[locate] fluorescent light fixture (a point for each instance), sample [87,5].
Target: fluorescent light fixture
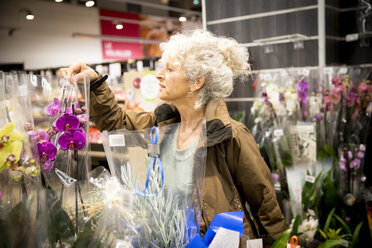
[58,1]
[89,3]
[119,26]
[182,19]
[30,17]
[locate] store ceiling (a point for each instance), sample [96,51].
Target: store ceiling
[169,8]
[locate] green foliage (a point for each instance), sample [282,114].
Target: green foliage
[310,196]
[332,243]
[283,239]
[239,116]
[327,151]
[356,235]
[330,196]
[161,222]
[295,225]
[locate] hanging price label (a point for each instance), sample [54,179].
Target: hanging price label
[278,133]
[310,179]
[343,70]
[116,140]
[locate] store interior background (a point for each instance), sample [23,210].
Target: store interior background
[278,34]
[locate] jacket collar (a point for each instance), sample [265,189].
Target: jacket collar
[217,118]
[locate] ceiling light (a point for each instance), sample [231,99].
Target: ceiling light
[29,15]
[89,3]
[182,19]
[58,1]
[119,26]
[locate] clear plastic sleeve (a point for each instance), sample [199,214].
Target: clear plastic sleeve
[166,183]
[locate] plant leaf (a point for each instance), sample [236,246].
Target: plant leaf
[356,235]
[328,221]
[295,225]
[342,222]
[332,243]
[282,240]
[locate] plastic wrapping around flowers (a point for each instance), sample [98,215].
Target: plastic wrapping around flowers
[18,170]
[58,134]
[165,183]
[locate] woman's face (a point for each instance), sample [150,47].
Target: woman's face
[173,83]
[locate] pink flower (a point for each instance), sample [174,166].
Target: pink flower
[355,164]
[54,108]
[73,140]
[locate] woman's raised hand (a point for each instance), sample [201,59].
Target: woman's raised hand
[78,71]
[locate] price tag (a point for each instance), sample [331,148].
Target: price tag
[352,37]
[328,70]
[116,140]
[254,243]
[22,90]
[343,70]
[310,179]
[127,197]
[278,133]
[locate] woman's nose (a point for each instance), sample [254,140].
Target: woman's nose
[159,75]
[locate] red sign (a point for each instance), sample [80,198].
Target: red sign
[120,50]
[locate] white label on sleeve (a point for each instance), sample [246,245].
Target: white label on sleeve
[328,70]
[310,179]
[343,70]
[278,132]
[254,243]
[116,140]
[290,246]
[22,90]
[127,197]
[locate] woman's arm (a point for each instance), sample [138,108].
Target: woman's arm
[254,180]
[108,115]
[103,108]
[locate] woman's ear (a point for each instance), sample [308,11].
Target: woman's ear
[198,83]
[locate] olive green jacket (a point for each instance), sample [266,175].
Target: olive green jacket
[235,171]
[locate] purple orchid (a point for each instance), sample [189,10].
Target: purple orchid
[66,122]
[42,136]
[350,99]
[73,140]
[83,118]
[355,164]
[349,155]
[302,87]
[360,154]
[54,108]
[318,117]
[343,162]
[47,151]
[48,165]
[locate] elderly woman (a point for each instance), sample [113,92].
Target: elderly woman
[199,72]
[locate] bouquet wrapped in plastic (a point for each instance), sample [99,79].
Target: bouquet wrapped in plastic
[19,174]
[58,134]
[164,185]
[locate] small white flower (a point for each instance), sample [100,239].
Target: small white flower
[308,229]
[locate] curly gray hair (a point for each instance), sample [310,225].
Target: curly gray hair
[219,60]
